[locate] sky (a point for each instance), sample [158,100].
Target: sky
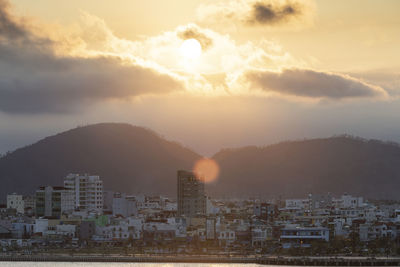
[208,74]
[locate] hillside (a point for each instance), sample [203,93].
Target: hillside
[128,158]
[134,159]
[339,164]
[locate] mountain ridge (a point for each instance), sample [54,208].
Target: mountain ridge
[337,164]
[135,159]
[107,149]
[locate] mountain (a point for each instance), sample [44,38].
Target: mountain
[128,159]
[133,159]
[340,164]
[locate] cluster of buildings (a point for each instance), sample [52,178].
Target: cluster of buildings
[81,213]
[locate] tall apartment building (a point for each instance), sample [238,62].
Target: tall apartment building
[191,195]
[88,191]
[53,201]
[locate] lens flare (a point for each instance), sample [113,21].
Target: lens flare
[207,169]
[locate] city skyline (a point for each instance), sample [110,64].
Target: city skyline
[194,224]
[261,132]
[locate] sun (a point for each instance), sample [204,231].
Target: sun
[191,49]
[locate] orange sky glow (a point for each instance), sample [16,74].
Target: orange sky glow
[209,74]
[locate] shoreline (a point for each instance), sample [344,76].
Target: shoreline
[271,260]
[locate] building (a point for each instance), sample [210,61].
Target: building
[347,201]
[299,204]
[29,204]
[210,229]
[16,202]
[4,232]
[191,195]
[53,201]
[320,201]
[87,230]
[124,205]
[108,197]
[22,230]
[302,236]
[260,234]
[265,211]
[88,191]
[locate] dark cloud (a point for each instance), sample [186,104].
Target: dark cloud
[9,28]
[268,13]
[192,32]
[309,83]
[74,82]
[295,13]
[33,79]
[14,31]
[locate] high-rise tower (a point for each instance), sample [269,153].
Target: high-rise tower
[191,195]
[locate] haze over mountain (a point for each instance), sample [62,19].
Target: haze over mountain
[133,159]
[128,159]
[369,168]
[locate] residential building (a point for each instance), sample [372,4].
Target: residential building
[29,204]
[347,201]
[124,205]
[88,191]
[53,201]
[4,232]
[15,201]
[191,195]
[265,211]
[297,204]
[302,236]
[210,228]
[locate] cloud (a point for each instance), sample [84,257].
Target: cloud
[192,31]
[312,84]
[387,78]
[9,28]
[35,79]
[50,73]
[266,13]
[74,82]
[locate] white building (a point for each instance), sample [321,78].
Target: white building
[88,191]
[226,236]
[41,225]
[260,234]
[375,231]
[340,227]
[210,208]
[347,201]
[124,205]
[302,236]
[60,230]
[15,201]
[297,203]
[210,228]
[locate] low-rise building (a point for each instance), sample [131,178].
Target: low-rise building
[302,236]
[124,205]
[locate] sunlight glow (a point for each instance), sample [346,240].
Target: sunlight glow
[191,49]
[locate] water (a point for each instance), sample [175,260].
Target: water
[96,264]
